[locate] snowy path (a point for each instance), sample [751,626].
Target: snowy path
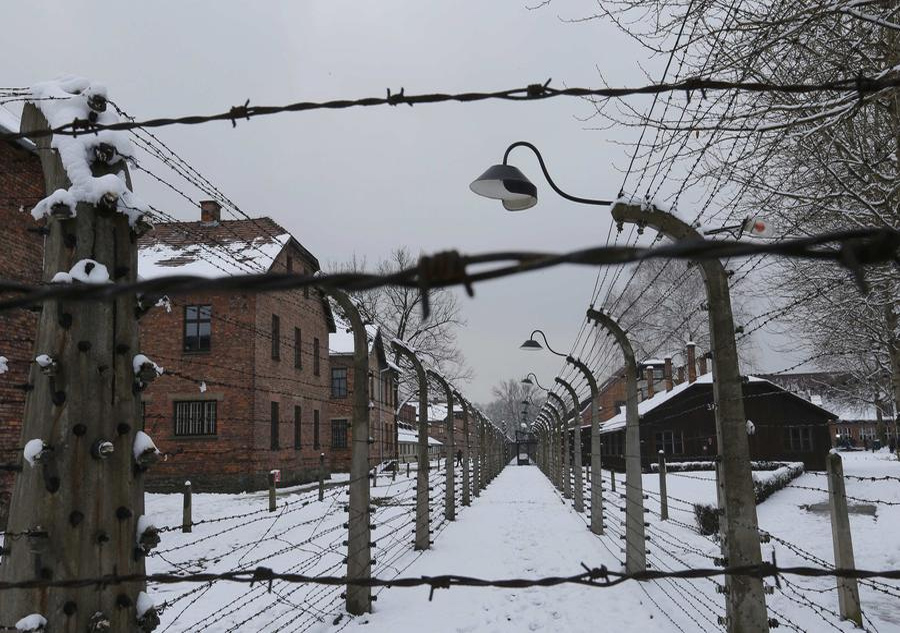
[518,528]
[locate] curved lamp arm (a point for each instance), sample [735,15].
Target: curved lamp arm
[539,385]
[547,344]
[549,179]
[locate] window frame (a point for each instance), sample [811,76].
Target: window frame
[298,348]
[202,422]
[298,427]
[664,440]
[276,337]
[340,429]
[197,321]
[337,380]
[317,365]
[274,425]
[317,435]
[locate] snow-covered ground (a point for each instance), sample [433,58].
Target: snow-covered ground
[519,528]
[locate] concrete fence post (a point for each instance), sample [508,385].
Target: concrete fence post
[663,495]
[272,503]
[576,446]
[321,476]
[449,448]
[842,540]
[466,484]
[186,513]
[423,510]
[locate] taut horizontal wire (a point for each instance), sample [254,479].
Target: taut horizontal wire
[856,249]
[534,92]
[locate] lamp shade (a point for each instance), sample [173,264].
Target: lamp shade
[527,381]
[508,184]
[531,345]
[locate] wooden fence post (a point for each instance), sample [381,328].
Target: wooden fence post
[663,496]
[186,518]
[842,540]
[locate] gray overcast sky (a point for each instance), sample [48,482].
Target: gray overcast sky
[365,181]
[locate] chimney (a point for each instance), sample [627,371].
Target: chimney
[210,211]
[691,361]
[703,364]
[649,373]
[667,373]
[681,374]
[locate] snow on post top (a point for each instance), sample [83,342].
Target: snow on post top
[62,101]
[143,445]
[33,623]
[4,364]
[33,451]
[144,604]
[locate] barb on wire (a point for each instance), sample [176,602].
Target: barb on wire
[870,246]
[600,577]
[531,92]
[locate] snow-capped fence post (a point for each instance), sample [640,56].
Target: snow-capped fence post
[663,494]
[358,599]
[85,486]
[476,459]
[321,476]
[272,499]
[449,448]
[482,453]
[561,447]
[466,486]
[186,509]
[595,458]
[842,540]
[635,544]
[746,601]
[423,540]
[576,445]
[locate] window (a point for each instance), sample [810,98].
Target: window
[339,434]
[799,439]
[316,367]
[274,422]
[197,328]
[298,416]
[316,443]
[670,442]
[298,343]
[338,382]
[195,417]
[276,337]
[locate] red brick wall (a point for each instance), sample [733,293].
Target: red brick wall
[21,185]
[381,417]
[279,381]
[244,379]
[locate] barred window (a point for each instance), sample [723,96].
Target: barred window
[195,417]
[316,442]
[338,382]
[339,434]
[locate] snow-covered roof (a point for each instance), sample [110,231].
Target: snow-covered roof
[9,124]
[848,411]
[408,436]
[437,411]
[206,249]
[618,422]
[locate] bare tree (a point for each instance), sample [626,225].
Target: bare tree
[398,311]
[513,404]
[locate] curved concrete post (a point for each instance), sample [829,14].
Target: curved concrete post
[746,602]
[482,454]
[553,459]
[466,487]
[359,556]
[449,488]
[562,420]
[635,541]
[422,510]
[595,457]
[578,483]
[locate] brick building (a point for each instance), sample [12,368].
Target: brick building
[21,242]
[247,375]
[383,380]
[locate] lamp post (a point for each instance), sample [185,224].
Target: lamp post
[745,605]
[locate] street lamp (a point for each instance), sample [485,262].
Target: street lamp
[531,345]
[506,183]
